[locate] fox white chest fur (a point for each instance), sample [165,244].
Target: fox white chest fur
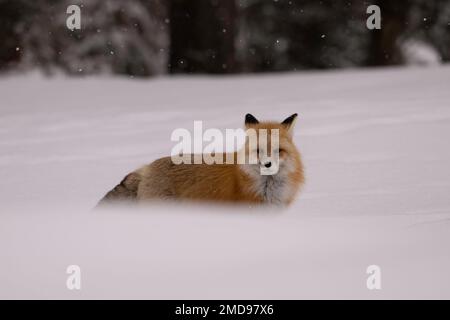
[273,189]
[277,189]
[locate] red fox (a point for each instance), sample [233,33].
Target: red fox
[232,183]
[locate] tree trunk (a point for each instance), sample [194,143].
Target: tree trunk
[202,36]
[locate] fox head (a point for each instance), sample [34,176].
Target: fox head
[269,148]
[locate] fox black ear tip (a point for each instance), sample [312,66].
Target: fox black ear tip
[289,120]
[249,118]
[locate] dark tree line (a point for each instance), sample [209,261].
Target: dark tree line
[202,36]
[147,37]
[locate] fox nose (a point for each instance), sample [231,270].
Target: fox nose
[268,164]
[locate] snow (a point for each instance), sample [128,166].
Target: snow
[418,52]
[376,151]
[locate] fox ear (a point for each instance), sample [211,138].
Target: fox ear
[250,119]
[289,122]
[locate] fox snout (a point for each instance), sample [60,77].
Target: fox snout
[269,166]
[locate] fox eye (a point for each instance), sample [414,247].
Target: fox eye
[280,151]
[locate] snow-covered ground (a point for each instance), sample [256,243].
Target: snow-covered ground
[376,149]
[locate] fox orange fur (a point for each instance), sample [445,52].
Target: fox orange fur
[232,183]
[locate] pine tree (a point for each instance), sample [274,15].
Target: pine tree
[293,34]
[123,37]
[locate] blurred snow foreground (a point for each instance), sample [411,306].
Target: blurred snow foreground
[375,147]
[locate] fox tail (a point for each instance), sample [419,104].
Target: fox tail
[126,190]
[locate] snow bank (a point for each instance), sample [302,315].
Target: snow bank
[376,153]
